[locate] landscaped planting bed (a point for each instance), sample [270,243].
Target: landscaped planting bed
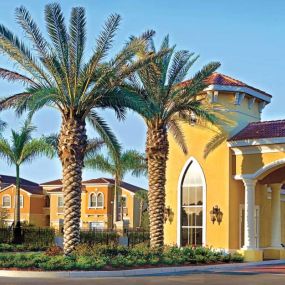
[114,257]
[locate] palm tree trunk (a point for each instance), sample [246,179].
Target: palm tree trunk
[115,212]
[157,153]
[17,239]
[17,218]
[72,145]
[141,213]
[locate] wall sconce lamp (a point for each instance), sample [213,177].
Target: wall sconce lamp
[216,214]
[168,214]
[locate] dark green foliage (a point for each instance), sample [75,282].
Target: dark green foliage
[88,257]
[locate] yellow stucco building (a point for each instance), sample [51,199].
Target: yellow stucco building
[97,203]
[232,197]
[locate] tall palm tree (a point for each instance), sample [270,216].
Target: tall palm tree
[143,198]
[118,166]
[22,149]
[57,74]
[160,84]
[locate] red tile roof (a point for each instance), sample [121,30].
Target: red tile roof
[221,79]
[53,182]
[261,130]
[58,189]
[101,180]
[123,184]
[27,185]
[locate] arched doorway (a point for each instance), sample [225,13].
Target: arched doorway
[192,205]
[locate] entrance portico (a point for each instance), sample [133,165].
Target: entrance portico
[270,178]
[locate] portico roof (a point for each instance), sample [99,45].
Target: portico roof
[261,130]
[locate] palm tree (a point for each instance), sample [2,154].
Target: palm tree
[160,84]
[117,165]
[57,75]
[143,198]
[2,126]
[22,149]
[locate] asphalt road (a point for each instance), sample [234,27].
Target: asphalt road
[193,279]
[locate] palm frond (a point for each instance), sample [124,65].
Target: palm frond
[104,43]
[135,162]
[32,31]
[12,101]
[15,76]
[2,125]
[175,129]
[57,31]
[6,152]
[179,61]
[11,45]
[36,148]
[77,31]
[101,163]
[105,133]
[93,147]
[215,142]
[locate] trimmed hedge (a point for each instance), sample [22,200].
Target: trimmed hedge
[88,257]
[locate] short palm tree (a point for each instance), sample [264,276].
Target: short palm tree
[160,84]
[22,149]
[57,74]
[117,165]
[142,196]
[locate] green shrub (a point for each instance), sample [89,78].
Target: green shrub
[154,260]
[236,257]
[58,263]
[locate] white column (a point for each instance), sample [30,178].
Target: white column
[275,215]
[249,205]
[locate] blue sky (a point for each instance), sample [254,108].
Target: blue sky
[247,37]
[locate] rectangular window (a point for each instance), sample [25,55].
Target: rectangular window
[60,201]
[96,225]
[21,201]
[6,201]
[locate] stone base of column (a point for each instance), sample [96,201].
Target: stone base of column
[251,255]
[274,253]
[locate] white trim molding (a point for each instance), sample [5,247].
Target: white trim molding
[255,142]
[241,89]
[258,149]
[10,201]
[260,171]
[179,190]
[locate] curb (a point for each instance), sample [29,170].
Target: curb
[134,272]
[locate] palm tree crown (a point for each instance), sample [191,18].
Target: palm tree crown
[117,166]
[57,74]
[170,101]
[23,149]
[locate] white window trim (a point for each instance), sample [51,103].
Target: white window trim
[9,196]
[96,201]
[89,200]
[180,181]
[103,200]
[60,196]
[22,206]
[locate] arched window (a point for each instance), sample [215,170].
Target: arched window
[6,201]
[92,200]
[192,205]
[100,200]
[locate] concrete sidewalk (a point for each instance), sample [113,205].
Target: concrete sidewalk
[139,272]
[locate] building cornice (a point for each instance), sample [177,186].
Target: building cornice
[256,142]
[241,89]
